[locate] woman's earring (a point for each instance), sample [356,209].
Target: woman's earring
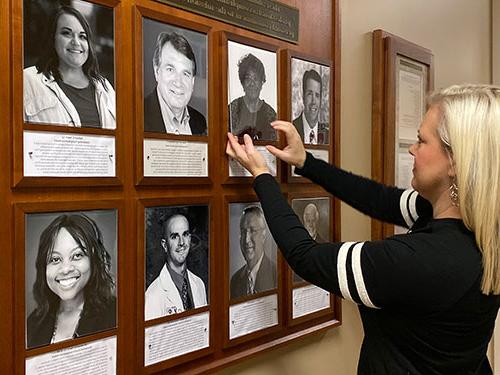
[454,194]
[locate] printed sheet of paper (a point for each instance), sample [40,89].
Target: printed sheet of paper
[410,99]
[167,158]
[253,315]
[404,173]
[318,154]
[51,154]
[176,337]
[309,299]
[236,170]
[411,87]
[96,358]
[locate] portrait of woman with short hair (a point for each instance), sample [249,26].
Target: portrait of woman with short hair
[252,91]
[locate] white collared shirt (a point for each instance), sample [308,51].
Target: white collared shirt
[307,131]
[173,125]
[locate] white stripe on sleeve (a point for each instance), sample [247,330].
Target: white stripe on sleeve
[413,205]
[358,276]
[342,269]
[403,207]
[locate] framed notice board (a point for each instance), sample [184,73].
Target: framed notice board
[403,74]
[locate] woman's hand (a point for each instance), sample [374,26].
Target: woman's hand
[246,154]
[294,153]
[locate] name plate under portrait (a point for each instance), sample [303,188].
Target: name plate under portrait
[237,170]
[253,315]
[318,154]
[166,158]
[96,357]
[309,299]
[175,338]
[51,154]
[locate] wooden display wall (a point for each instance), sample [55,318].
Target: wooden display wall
[130,191]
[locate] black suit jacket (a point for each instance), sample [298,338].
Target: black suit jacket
[265,279]
[323,130]
[153,120]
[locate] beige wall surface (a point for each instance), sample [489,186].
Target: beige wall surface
[495,34]
[458,32]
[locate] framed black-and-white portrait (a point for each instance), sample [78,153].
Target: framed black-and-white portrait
[314,213]
[252,91]
[70,275]
[175,79]
[69,64]
[310,100]
[177,259]
[252,251]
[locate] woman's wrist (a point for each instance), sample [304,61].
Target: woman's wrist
[302,161]
[257,172]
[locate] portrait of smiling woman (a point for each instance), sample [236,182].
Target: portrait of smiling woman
[74,289]
[65,85]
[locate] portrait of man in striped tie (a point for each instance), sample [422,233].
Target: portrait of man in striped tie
[176,288]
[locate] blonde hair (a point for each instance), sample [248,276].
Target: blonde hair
[470,128]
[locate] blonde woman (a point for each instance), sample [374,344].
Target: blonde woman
[428,299]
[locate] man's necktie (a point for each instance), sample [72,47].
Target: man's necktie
[186,301]
[312,138]
[250,287]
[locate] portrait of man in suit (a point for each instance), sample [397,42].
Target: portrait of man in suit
[166,108]
[308,124]
[315,215]
[176,288]
[258,274]
[310,218]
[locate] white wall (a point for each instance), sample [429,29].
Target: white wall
[458,33]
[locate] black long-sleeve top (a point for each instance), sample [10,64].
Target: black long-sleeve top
[419,293]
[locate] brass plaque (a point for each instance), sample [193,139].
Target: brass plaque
[268,17]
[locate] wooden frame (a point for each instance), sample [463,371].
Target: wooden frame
[22,209]
[20,127]
[387,48]
[128,189]
[141,13]
[286,57]
[330,312]
[228,302]
[142,324]
[224,39]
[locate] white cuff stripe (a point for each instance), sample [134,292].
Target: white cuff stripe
[358,276]
[413,205]
[404,210]
[342,269]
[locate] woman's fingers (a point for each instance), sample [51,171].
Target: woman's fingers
[291,134]
[276,152]
[229,149]
[294,152]
[285,126]
[237,151]
[247,155]
[248,143]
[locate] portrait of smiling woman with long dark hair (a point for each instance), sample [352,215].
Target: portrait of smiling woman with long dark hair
[74,290]
[65,86]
